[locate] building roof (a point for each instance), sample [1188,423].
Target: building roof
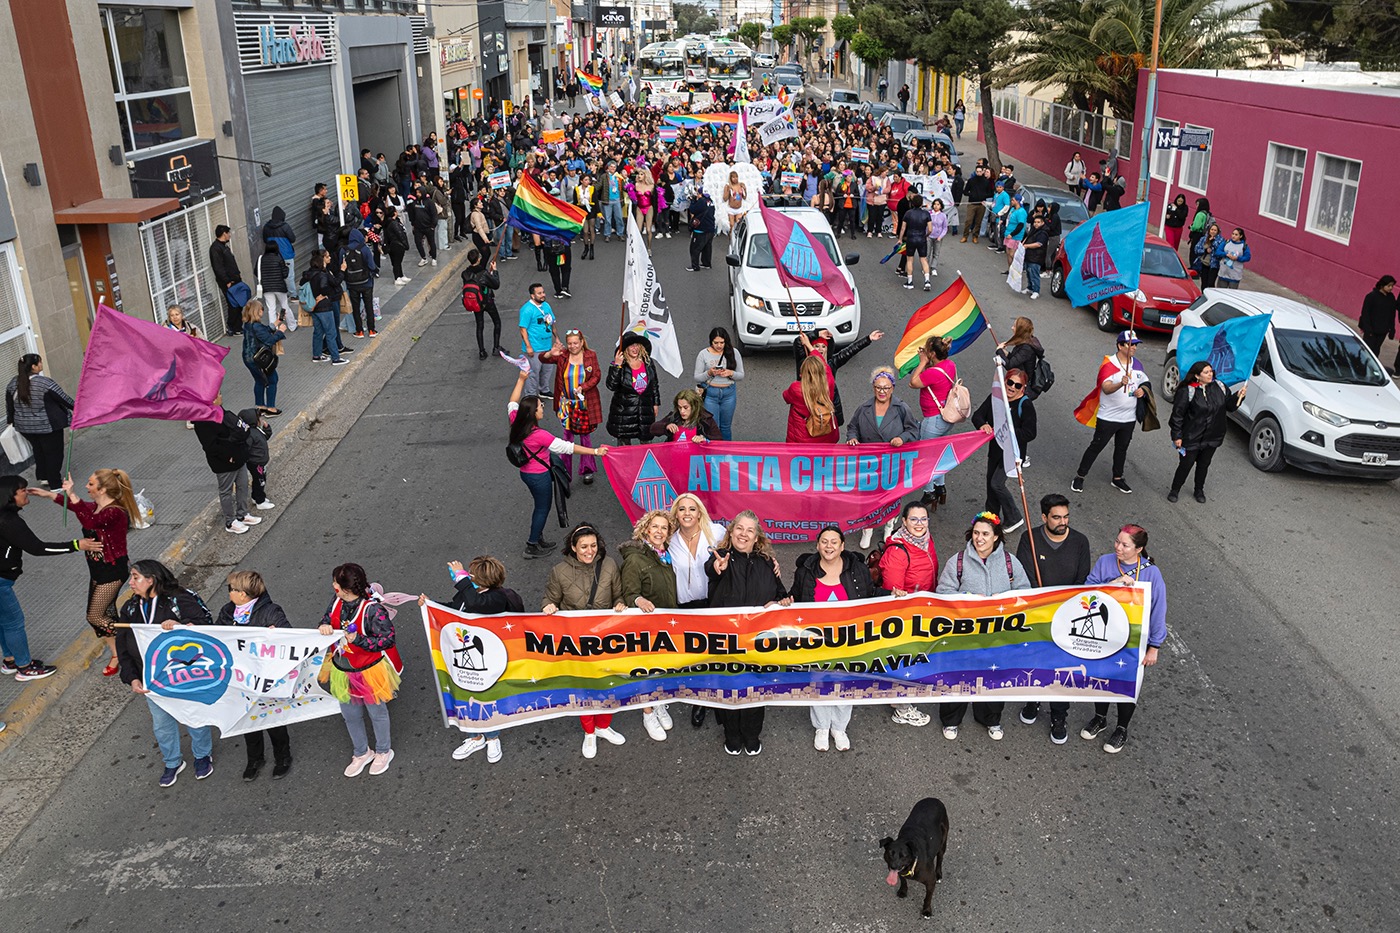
[1382,83]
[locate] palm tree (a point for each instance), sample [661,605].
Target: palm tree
[1095,48]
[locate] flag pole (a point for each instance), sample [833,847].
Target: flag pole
[68,469]
[1020,478]
[1026,511]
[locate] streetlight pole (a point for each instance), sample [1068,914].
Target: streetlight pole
[1150,118]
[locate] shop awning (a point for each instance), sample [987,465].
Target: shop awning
[116,210]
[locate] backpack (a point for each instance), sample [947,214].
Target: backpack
[356,269]
[1042,378]
[1004,553]
[472,298]
[877,553]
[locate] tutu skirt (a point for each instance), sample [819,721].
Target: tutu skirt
[378,683]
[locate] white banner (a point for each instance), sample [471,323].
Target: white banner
[645,303]
[762,111]
[239,678]
[1001,423]
[741,139]
[778,128]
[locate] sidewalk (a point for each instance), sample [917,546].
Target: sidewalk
[164,459]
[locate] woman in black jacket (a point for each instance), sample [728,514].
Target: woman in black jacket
[1378,316]
[1199,410]
[743,571]
[395,242]
[248,604]
[831,574]
[482,273]
[157,598]
[999,499]
[636,389]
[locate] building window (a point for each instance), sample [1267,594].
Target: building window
[1195,167]
[149,81]
[1332,204]
[1162,158]
[1283,183]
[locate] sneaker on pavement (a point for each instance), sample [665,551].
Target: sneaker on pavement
[652,722]
[1012,528]
[34,670]
[203,767]
[1030,713]
[422,262]
[664,716]
[909,715]
[358,763]
[590,745]
[168,776]
[611,736]
[732,751]
[841,741]
[822,741]
[1059,732]
[434,262]
[995,733]
[235,527]
[1200,497]
[1092,728]
[950,732]
[402,281]
[1114,745]
[381,762]
[7,666]
[493,750]
[756,750]
[1122,486]
[1077,484]
[320,359]
[340,362]
[472,745]
[251,519]
[267,504]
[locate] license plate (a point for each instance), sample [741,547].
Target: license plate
[1375,459]
[1168,320]
[794,326]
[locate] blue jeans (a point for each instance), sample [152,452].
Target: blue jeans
[264,387]
[1033,277]
[720,402]
[541,487]
[354,716]
[508,234]
[612,219]
[13,640]
[959,124]
[323,338]
[167,731]
[931,427]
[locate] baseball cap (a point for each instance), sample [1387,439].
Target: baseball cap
[1128,336]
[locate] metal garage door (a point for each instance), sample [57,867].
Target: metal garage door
[292,122]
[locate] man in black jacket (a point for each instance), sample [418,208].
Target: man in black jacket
[978,190]
[423,215]
[226,273]
[225,444]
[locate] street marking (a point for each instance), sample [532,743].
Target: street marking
[414,414]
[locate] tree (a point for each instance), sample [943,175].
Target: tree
[782,37]
[686,14]
[751,32]
[809,29]
[843,28]
[870,50]
[1095,48]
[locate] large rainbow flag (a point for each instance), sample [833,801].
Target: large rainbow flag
[692,121]
[954,314]
[592,82]
[535,211]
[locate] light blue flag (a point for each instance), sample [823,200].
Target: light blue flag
[1231,348]
[1105,255]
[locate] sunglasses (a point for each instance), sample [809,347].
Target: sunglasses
[1012,384]
[573,333]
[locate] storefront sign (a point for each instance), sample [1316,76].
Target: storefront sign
[349,186]
[186,174]
[460,54]
[280,41]
[478,93]
[613,17]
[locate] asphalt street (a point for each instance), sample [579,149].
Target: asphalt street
[1256,792]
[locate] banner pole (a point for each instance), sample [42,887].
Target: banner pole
[1026,511]
[68,469]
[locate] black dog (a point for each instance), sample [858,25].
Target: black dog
[918,852]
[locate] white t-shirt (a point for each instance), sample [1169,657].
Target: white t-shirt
[1120,406]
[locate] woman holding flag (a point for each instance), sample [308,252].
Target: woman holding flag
[934,376]
[1200,410]
[1000,500]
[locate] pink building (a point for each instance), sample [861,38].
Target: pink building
[1302,160]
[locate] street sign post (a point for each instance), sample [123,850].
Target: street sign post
[1177,137]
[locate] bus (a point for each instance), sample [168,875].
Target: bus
[729,64]
[693,50]
[662,67]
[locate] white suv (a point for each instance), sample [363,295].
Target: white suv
[1318,399]
[764,313]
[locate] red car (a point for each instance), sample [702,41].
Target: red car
[1165,289]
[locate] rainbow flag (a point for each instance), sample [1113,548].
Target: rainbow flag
[897,251]
[592,82]
[692,121]
[783,95]
[535,211]
[953,314]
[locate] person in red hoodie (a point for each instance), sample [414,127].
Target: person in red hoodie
[909,564]
[811,414]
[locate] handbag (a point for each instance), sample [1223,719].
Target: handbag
[15,446]
[306,297]
[265,359]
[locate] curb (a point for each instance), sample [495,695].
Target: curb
[196,538]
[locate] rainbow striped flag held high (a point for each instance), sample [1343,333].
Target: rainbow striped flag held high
[592,82]
[691,121]
[535,211]
[952,314]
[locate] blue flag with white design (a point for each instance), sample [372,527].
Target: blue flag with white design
[1230,348]
[1105,255]
[802,262]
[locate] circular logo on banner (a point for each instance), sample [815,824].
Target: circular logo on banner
[1090,626]
[475,657]
[186,665]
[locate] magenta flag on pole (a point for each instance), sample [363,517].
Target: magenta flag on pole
[796,489]
[139,369]
[802,262]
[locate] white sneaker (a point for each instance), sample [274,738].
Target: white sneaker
[821,741]
[434,262]
[422,262]
[610,735]
[251,520]
[995,733]
[841,741]
[590,745]
[235,527]
[267,504]
[653,726]
[1015,526]
[950,732]
[402,281]
[664,716]
[909,716]
[865,537]
[493,750]
[471,746]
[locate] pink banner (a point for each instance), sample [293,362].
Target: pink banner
[139,369]
[794,488]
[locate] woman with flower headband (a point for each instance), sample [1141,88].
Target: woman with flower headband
[576,399]
[983,568]
[1129,564]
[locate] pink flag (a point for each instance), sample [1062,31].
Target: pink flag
[139,369]
[802,262]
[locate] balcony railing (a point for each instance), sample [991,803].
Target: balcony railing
[1090,130]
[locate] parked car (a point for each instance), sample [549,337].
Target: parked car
[875,109]
[1318,399]
[900,123]
[792,68]
[764,313]
[1165,289]
[844,99]
[1072,209]
[791,80]
[764,60]
[915,138]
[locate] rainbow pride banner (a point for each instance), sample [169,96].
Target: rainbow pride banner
[808,485]
[1065,643]
[691,121]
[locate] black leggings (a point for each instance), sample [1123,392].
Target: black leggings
[1125,712]
[481,327]
[396,257]
[559,272]
[874,217]
[1199,458]
[742,727]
